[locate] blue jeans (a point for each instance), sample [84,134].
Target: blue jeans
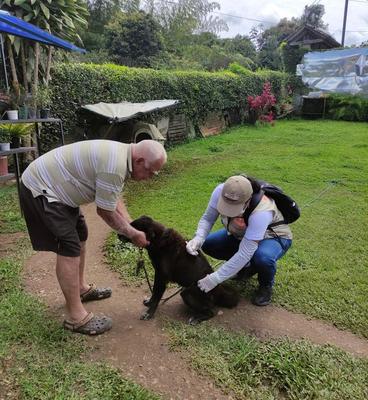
[222,246]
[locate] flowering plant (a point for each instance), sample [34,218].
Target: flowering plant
[260,106]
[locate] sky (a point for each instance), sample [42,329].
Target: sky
[271,11]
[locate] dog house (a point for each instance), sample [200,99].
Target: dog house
[126,122]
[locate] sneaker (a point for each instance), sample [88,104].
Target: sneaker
[262,296]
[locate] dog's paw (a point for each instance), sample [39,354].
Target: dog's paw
[146,316]
[147,302]
[194,320]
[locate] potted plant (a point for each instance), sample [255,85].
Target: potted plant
[16,98]
[30,101]
[4,139]
[16,132]
[43,100]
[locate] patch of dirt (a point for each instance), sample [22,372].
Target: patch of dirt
[8,241]
[140,348]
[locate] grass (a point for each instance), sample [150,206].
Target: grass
[323,165]
[10,218]
[38,359]
[280,369]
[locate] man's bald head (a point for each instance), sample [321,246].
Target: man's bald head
[148,157]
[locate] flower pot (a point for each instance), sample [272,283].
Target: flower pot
[4,166]
[44,113]
[31,113]
[23,112]
[12,114]
[4,146]
[15,142]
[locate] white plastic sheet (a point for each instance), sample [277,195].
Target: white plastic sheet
[336,71]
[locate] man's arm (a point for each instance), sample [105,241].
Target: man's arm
[122,210]
[121,224]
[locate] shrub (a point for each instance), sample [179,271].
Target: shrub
[199,92]
[347,107]
[260,107]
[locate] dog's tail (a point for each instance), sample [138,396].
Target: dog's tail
[225,296]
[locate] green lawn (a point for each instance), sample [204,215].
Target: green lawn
[323,165]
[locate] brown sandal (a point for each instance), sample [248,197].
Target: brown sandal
[89,325]
[95,293]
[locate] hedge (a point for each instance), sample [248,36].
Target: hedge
[199,92]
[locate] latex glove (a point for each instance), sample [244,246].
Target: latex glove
[208,282]
[194,245]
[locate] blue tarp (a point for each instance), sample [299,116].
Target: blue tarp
[17,27]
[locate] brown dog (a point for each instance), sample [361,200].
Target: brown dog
[172,263]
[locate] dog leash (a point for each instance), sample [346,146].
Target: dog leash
[141,265]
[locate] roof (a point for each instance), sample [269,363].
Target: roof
[118,112]
[17,27]
[316,36]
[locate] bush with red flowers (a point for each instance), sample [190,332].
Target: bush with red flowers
[260,107]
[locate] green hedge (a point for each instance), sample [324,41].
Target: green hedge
[199,92]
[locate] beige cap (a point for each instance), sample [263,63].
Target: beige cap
[236,192]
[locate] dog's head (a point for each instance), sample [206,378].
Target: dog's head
[153,229]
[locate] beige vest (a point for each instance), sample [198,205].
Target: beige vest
[266,204]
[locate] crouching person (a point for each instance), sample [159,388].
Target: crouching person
[248,247]
[52,189]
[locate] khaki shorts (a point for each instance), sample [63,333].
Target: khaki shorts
[53,226]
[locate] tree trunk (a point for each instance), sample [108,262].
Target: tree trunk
[12,63]
[24,66]
[36,66]
[48,64]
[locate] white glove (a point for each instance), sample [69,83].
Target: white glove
[208,282]
[194,245]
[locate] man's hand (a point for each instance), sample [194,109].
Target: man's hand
[208,283]
[193,246]
[139,239]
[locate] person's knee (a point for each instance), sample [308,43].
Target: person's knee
[263,261]
[209,248]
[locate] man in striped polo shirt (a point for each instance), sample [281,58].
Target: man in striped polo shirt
[56,184]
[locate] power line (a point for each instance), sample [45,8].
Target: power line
[230,15]
[249,19]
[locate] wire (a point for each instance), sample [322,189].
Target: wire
[230,15]
[320,194]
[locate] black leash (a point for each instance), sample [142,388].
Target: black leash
[141,265]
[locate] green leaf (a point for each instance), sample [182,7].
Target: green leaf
[45,10]
[19,2]
[28,17]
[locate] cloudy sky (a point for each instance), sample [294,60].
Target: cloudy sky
[271,11]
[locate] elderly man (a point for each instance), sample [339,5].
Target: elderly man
[56,184]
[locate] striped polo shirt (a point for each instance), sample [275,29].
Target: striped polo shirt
[81,172]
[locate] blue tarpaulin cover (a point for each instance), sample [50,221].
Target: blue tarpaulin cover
[17,27]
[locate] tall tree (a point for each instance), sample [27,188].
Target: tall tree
[313,15]
[102,13]
[134,39]
[182,18]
